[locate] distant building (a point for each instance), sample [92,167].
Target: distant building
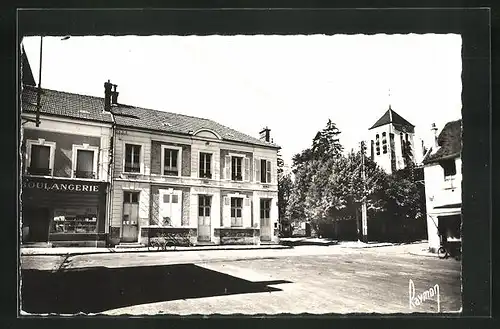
[391,143]
[443,180]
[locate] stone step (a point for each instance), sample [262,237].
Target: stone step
[129,245]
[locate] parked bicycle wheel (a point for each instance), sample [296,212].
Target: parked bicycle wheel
[442,253]
[154,246]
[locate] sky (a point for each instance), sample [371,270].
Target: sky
[292,84]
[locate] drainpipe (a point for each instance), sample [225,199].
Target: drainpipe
[111,172]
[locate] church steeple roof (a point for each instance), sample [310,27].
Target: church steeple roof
[390,116]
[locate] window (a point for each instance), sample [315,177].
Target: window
[204,205]
[170,164]
[265,208]
[84,164]
[85,161]
[40,157]
[40,160]
[236,212]
[377,144]
[265,171]
[80,220]
[205,163]
[449,168]
[130,197]
[384,143]
[236,173]
[132,158]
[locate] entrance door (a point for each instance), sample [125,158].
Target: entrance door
[204,205]
[265,219]
[130,222]
[38,222]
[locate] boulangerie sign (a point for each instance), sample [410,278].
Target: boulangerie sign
[57,186]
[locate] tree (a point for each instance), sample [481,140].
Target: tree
[326,142]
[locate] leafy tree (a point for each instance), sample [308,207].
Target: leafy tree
[326,142]
[404,197]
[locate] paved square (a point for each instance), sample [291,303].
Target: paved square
[314,280]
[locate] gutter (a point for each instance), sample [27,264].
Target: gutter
[111,171]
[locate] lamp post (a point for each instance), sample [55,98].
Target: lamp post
[39,90]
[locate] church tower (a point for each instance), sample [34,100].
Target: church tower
[392,142]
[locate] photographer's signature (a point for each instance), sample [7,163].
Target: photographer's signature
[417,300]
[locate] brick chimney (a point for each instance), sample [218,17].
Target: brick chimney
[265,135]
[114,96]
[107,96]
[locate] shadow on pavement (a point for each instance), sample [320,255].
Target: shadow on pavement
[98,289]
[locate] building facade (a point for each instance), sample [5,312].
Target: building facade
[96,172]
[443,185]
[64,172]
[392,142]
[191,179]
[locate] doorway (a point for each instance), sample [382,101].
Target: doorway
[37,222]
[265,219]
[204,209]
[130,221]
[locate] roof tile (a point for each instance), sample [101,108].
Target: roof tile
[91,108]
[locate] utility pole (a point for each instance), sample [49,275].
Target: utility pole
[39,89]
[364,224]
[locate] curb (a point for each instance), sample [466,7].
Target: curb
[427,254]
[113,251]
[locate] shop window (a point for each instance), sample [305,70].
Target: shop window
[205,164]
[265,171]
[236,212]
[171,161]
[67,220]
[40,157]
[132,158]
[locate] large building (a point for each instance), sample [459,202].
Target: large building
[65,165]
[167,174]
[392,142]
[443,185]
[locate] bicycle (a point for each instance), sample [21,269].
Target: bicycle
[445,252]
[160,243]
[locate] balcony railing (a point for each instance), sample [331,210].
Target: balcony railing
[84,174]
[39,171]
[132,168]
[171,171]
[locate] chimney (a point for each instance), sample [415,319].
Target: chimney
[107,96]
[435,135]
[114,96]
[265,135]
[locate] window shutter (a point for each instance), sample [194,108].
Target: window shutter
[227,167]
[226,209]
[247,212]
[257,171]
[274,172]
[247,169]
[268,172]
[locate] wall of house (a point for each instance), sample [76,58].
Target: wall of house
[63,157]
[156,157]
[66,132]
[185,203]
[439,192]
[119,187]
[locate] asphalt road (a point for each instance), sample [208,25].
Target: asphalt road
[314,280]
